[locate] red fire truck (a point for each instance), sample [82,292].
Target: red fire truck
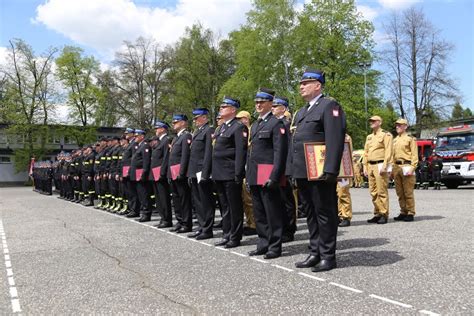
[455,146]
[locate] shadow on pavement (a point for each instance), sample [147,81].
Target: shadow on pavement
[367,258]
[361,243]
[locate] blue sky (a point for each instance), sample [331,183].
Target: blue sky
[99,26]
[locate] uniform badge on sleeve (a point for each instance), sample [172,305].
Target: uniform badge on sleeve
[335,112]
[282,131]
[189,141]
[146,150]
[245,134]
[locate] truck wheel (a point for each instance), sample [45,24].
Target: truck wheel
[451,184]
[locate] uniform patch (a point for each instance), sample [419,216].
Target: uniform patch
[335,112]
[189,141]
[245,134]
[146,150]
[282,131]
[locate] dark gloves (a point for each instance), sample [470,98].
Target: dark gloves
[328,177]
[270,184]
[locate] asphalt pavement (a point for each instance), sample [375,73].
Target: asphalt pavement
[64,258]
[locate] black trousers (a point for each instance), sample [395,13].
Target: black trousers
[163,200]
[113,186]
[230,196]
[289,214]
[322,217]
[268,211]
[436,175]
[143,193]
[181,193]
[204,204]
[104,186]
[132,195]
[88,185]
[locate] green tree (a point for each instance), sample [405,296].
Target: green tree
[27,99]
[78,73]
[467,113]
[201,65]
[457,112]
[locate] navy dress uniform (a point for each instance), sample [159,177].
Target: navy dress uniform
[228,171]
[131,200]
[200,162]
[321,120]
[268,149]
[161,188]
[139,169]
[178,166]
[88,177]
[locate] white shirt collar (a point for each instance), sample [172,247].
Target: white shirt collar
[181,132]
[312,102]
[228,122]
[265,116]
[163,135]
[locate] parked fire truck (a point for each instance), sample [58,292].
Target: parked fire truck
[455,146]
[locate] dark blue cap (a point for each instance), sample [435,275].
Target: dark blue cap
[280,101]
[139,132]
[161,124]
[200,111]
[179,117]
[264,94]
[311,74]
[129,130]
[231,101]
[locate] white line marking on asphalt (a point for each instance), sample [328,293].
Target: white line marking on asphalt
[283,268]
[259,260]
[311,276]
[205,243]
[428,313]
[223,249]
[390,301]
[13,292]
[16,305]
[346,287]
[239,254]
[11,281]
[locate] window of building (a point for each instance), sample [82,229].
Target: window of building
[5,159]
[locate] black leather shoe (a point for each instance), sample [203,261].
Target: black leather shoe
[164,225]
[183,230]
[324,265]
[204,236]
[221,242]
[175,228]
[257,252]
[374,219]
[249,231]
[232,244]
[132,214]
[309,262]
[409,218]
[382,220]
[194,234]
[271,255]
[400,217]
[345,223]
[143,218]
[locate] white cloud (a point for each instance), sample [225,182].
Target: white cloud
[3,55]
[369,13]
[397,4]
[104,24]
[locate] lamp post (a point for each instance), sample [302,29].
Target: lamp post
[365,66]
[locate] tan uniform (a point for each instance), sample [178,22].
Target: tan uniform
[248,206]
[405,155]
[358,180]
[377,158]
[344,201]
